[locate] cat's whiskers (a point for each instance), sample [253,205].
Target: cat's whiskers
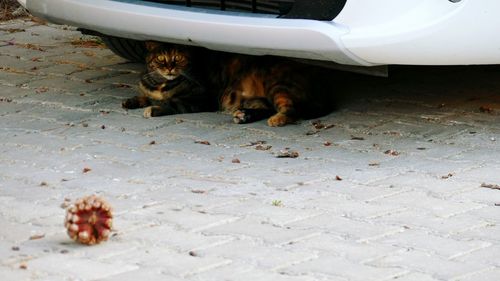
[168,75]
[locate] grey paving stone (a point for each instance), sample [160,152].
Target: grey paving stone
[415,260]
[243,271]
[335,267]
[348,249]
[78,267]
[149,273]
[14,274]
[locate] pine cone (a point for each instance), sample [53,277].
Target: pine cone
[89,220]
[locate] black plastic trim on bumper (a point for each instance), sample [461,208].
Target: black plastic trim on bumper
[316,10]
[291,9]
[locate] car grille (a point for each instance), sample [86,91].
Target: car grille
[302,9]
[276,7]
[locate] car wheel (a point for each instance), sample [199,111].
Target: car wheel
[128,49]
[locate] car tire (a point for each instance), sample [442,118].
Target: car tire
[129,49]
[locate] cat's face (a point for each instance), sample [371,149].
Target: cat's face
[169,61]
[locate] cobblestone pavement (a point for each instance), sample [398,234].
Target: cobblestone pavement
[392,191]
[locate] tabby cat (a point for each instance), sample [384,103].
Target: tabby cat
[274,88]
[183,79]
[171,85]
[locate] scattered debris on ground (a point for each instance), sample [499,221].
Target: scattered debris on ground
[204,142]
[447,176]
[485,109]
[12,30]
[40,90]
[277,203]
[490,186]
[88,42]
[391,152]
[198,191]
[319,126]
[287,153]
[253,143]
[393,133]
[10,9]
[37,236]
[263,147]
[66,203]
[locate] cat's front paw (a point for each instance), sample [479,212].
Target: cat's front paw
[249,115]
[150,111]
[279,119]
[241,117]
[135,102]
[130,104]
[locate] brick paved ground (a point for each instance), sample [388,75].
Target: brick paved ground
[412,152]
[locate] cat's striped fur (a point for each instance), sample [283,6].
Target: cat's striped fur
[183,80]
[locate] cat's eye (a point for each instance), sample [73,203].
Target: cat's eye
[177,58]
[160,57]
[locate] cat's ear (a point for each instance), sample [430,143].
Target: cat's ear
[151,45]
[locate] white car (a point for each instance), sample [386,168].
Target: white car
[346,32]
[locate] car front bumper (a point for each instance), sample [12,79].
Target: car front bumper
[246,34]
[366,33]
